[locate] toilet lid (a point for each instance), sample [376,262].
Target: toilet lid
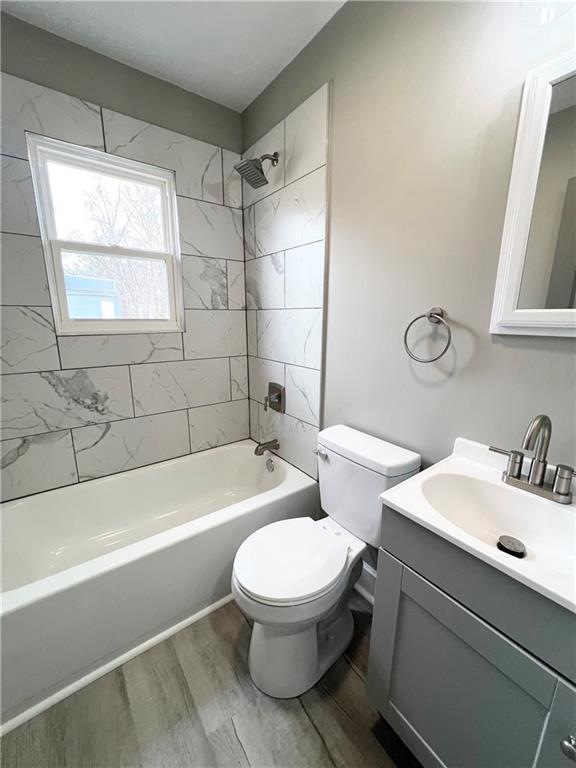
[291,561]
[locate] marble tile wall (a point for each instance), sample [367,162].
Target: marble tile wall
[80,407]
[284,247]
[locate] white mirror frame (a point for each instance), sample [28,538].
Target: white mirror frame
[506,317]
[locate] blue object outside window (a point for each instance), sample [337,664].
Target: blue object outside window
[91,297]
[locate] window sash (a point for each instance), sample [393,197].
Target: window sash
[76,326]
[42,149]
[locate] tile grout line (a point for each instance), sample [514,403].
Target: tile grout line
[121,420]
[227,286]
[86,367]
[283,250]
[284,276]
[37,493]
[131,391]
[124,365]
[15,157]
[289,184]
[20,234]
[222,176]
[274,360]
[75,456]
[259,425]
[189,430]
[142,466]
[246,313]
[57,340]
[196,199]
[280,362]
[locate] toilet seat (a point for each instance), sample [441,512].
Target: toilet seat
[290,562]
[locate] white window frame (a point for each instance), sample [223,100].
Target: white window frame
[42,149]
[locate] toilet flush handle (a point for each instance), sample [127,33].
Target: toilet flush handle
[320,453]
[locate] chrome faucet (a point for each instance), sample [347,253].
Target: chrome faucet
[537,439]
[271,445]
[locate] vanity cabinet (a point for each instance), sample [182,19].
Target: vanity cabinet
[458,692]
[561,726]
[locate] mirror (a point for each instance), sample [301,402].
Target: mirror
[549,274]
[536,283]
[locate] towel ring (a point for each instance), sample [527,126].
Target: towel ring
[434,315]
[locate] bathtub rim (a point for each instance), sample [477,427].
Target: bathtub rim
[27,594]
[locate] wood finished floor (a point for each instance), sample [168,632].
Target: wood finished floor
[189,702]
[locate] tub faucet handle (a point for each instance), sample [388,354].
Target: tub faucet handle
[271,400]
[276,397]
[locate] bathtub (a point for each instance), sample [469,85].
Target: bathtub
[95,573]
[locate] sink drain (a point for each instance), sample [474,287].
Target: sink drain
[511,546]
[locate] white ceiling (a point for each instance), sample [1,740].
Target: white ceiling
[226,51]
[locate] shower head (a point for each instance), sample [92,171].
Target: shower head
[251,170]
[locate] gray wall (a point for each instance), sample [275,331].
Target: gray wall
[425,108]
[41,57]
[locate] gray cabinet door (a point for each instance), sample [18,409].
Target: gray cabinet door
[455,690]
[561,725]
[543,628]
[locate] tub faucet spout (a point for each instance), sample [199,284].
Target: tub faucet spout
[271,445]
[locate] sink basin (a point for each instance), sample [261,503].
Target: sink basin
[487,510]
[464,500]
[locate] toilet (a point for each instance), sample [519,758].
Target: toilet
[293,578]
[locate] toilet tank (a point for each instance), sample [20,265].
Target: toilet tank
[354,468]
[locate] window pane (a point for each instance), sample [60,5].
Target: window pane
[94,207]
[115,287]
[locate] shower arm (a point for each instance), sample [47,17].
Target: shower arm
[274,159]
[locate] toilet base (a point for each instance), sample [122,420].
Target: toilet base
[285,662]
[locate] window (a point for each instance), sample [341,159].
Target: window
[110,233]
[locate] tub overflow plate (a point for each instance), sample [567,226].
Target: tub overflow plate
[511,546]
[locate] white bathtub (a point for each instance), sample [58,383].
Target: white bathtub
[95,573]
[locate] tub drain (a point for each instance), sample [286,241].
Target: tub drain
[511,546]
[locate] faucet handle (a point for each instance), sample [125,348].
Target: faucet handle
[515,461]
[503,451]
[275,398]
[563,479]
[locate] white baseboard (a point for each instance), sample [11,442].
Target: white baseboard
[68,690]
[366,584]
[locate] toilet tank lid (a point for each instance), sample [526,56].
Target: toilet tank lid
[385,458]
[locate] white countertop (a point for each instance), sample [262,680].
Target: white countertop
[464,500]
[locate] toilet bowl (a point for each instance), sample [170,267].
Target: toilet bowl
[293,578]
